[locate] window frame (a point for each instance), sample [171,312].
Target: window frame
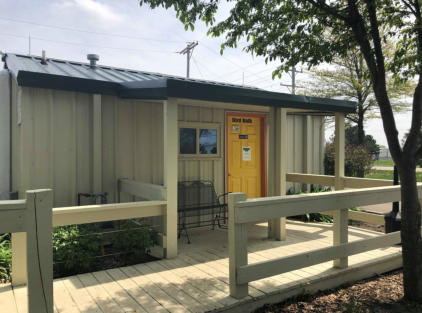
[198,126]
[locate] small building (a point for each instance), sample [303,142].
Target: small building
[84,128]
[78,127]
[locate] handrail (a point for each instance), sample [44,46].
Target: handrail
[260,270]
[31,219]
[357,182]
[142,190]
[329,180]
[324,180]
[107,212]
[243,211]
[347,182]
[262,209]
[12,216]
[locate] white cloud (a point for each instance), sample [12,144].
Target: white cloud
[96,10]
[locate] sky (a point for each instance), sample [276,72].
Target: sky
[129,36]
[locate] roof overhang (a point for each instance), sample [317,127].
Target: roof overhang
[162,88]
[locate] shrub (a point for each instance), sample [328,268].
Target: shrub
[75,248]
[86,248]
[5,257]
[358,161]
[133,240]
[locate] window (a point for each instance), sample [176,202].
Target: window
[187,140]
[199,139]
[207,141]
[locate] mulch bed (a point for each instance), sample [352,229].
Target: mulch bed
[383,294]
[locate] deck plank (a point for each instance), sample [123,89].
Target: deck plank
[183,284]
[190,303]
[137,293]
[82,298]
[197,280]
[168,302]
[115,291]
[210,285]
[21,295]
[7,299]
[99,294]
[63,301]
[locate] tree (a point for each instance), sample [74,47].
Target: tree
[349,78]
[316,31]
[357,161]
[368,141]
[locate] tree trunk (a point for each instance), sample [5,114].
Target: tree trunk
[411,232]
[361,132]
[361,136]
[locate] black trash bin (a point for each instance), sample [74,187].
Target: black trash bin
[393,219]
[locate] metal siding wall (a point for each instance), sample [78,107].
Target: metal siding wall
[52,148]
[191,169]
[132,143]
[296,146]
[4,135]
[16,141]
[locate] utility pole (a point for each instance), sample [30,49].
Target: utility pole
[293,85]
[188,51]
[29,44]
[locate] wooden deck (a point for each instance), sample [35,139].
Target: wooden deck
[197,280]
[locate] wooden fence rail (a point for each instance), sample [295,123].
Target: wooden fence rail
[347,182]
[80,215]
[142,190]
[31,219]
[242,212]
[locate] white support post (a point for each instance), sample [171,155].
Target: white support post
[308,148]
[340,222]
[97,145]
[19,270]
[40,251]
[170,177]
[271,177]
[238,247]
[278,229]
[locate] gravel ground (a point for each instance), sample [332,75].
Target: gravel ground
[383,294]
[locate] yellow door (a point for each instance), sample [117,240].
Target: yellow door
[244,155]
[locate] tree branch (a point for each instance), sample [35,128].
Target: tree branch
[377,74]
[409,6]
[322,5]
[412,139]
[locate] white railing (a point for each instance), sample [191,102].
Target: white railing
[242,212]
[142,190]
[32,218]
[347,182]
[82,215]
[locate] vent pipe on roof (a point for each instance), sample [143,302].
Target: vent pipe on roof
[43,58]
[93,58]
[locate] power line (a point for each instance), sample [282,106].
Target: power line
[86,31]
[241,69]
[197,67]
[210,71]
[259,77]
[85,44]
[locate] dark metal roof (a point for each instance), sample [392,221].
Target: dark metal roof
[74,76]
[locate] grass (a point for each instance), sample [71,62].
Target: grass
[376,174]
[388,163]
